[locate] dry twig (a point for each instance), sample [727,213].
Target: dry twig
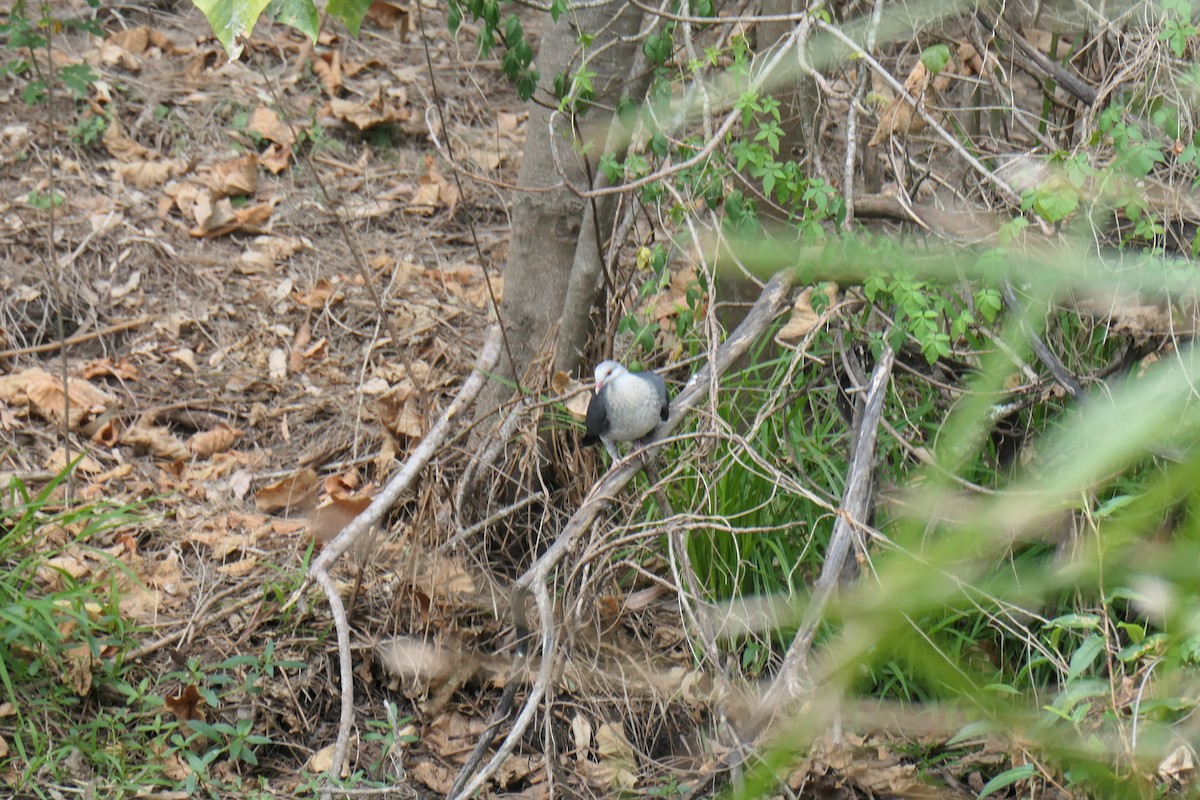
[364,522]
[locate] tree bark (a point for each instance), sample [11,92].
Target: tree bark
[547,222]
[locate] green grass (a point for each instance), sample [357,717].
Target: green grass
[77,712]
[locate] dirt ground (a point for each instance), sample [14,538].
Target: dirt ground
[236,355]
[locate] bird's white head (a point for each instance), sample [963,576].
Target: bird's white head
[606,371]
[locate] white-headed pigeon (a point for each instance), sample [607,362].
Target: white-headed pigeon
[627,406]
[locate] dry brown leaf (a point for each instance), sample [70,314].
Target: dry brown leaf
[240,568]
[217,440]
[238,176]
[364,116]
[452,735]
[1179,765]
[416,666]
[577,404]
[581,736]
[268,251]
[329,518]
[667,305]
[322,761]
[145,436]
[58,461]
[294,492]
[900,117]
[265,122]
[515,769]
[617,767]
[140,39]
[124,149]
[71,564]
[230,535]
[150,173]
[185,356]
[436,777]
[443,576]
[387,14]
[342,485]
[45,393]
[397,410]
[433,191]
[106,368]
[188,705]
[803,318]
[276,158]
[224,219]
[79,663]
[368,208]
[317,297]
[328,69]
[480,295]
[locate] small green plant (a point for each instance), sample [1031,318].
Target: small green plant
[517,61]
[88,129]
[1177,28]
[25,34]
[389,735]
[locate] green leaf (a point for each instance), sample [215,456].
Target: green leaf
[232,20]
[1055,201]
[77,77]
[1113,504]
[1082,658]
[299,14]
[1075,622]
[936,58]
[1007,778]
[350,12]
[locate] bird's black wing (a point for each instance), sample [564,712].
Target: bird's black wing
[597,419]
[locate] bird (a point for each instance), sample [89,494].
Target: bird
[627,406]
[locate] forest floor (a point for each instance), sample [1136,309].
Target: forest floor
[260,283]
[230,366]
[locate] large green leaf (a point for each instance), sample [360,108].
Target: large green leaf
[351,12]
[299,14]
[231,20]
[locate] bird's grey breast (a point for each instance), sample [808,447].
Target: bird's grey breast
[633,402]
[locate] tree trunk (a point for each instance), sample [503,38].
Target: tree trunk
[546,225]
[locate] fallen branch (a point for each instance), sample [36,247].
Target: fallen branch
[50,347]
[371,515]
[536,579]
[793,673]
